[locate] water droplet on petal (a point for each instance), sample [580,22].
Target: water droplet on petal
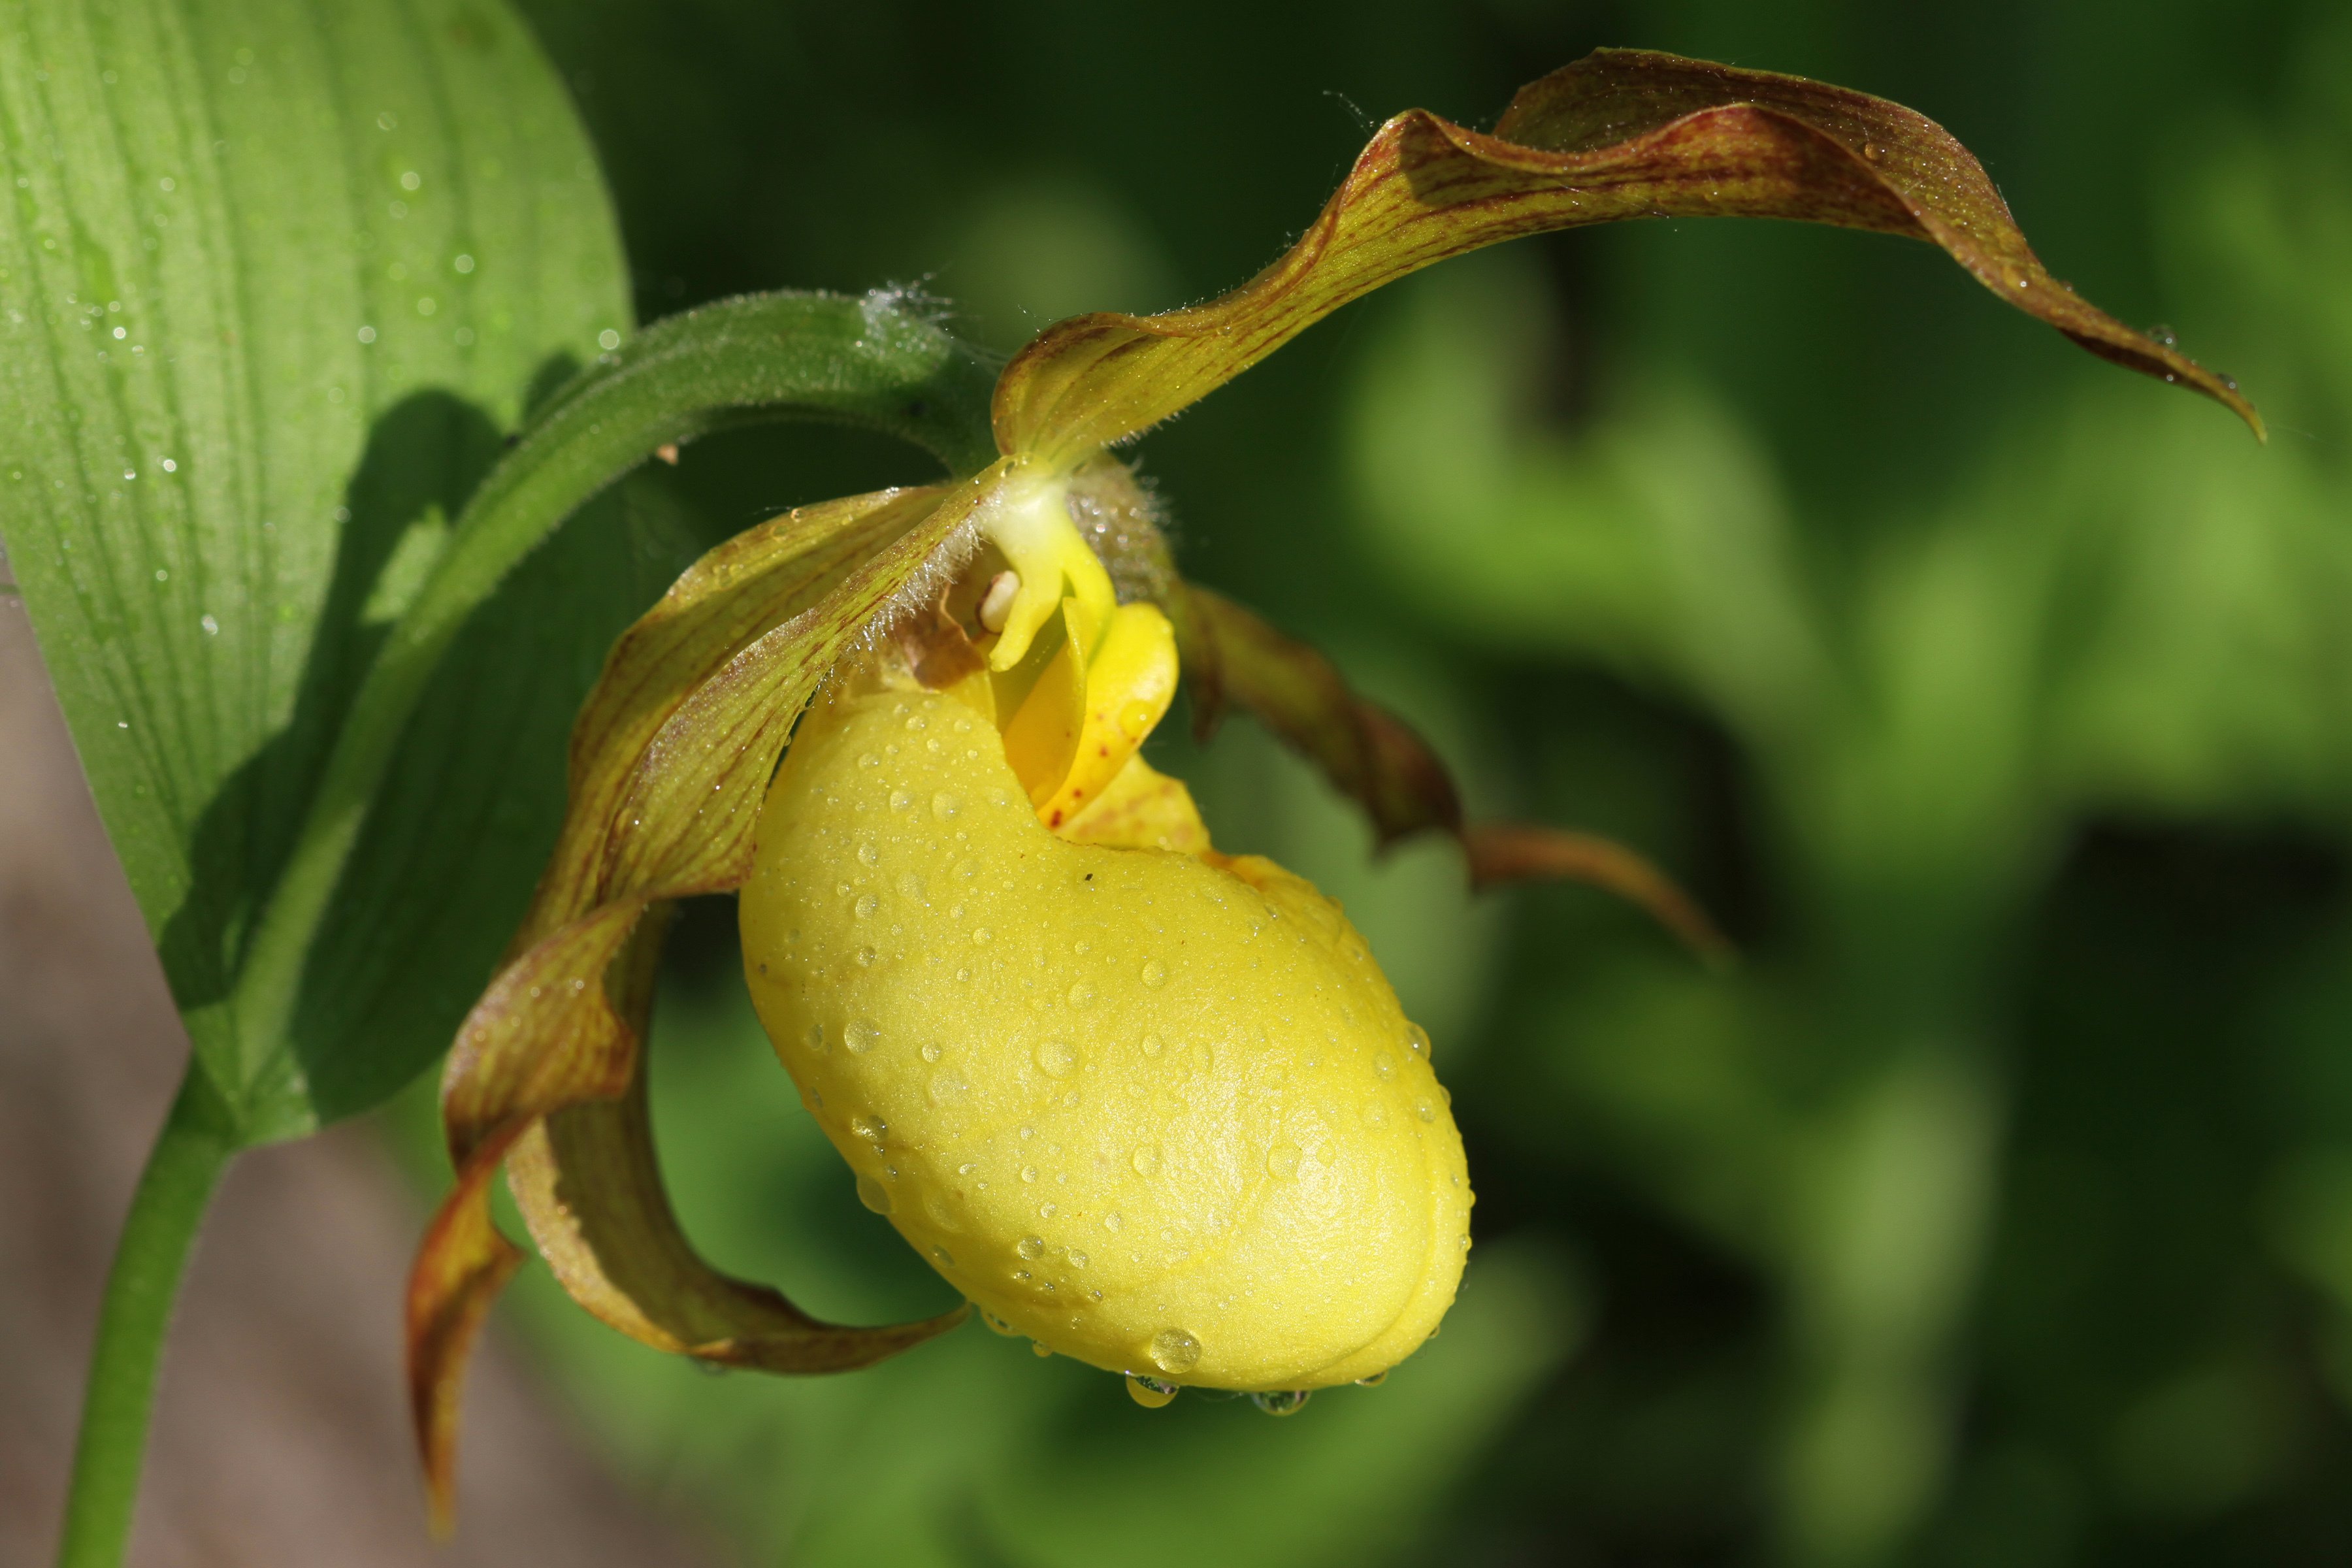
[1286,1402]
[1282,1159]
[944,805]
[1374,1381]
[1032,1247]
[999,1324]
[1145,1159]
[873,1128]
[865,906]
[1056,1059]
[1173,1349]
[861,1036]
[873,1194]
[1155,973]
[1149,1391]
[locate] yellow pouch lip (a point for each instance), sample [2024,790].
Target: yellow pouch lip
[845,982]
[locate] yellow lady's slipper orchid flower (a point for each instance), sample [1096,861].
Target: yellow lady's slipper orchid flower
[1153,1106]
[1157,1108]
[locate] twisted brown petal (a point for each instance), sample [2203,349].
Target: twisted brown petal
[1376,760]
[670,757]
[1619,135]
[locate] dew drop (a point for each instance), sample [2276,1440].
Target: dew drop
[1374,1381]
[866,957]
[1286,1402]
[911,886]
[865,906]
[1150,1392]
[947,1089]
[1077,1260]
[1282,1159]
[873,1194]
[930,1053]
[1032,1247]
[944,805]
[1152,1044]
[943,1257]
[1416,1039]
[980,935]
[999,1324]
[1145,1159]
[1155,973]
[1425,1111]
[1173,1349]
[1056,1059]
[861,1036]
[873,1128]
[868,854]
[1112,1221]
[1039,1350]
[1028,1172]
[900,800]
[1383,1066]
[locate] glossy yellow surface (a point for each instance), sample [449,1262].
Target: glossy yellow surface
[1161,1115]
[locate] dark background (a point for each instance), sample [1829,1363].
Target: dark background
[1997,1208]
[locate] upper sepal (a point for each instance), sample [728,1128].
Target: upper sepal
[1619,135]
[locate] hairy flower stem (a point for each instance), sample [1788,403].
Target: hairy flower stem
[173,1192]
[765,357]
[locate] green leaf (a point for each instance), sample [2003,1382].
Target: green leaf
[459,827]
[274,280]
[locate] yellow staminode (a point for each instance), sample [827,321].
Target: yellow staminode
[1027,518]
[1157,1109]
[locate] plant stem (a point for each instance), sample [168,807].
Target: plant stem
[173,1192]
[871,362]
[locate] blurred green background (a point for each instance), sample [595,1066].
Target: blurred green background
[1999,1208]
